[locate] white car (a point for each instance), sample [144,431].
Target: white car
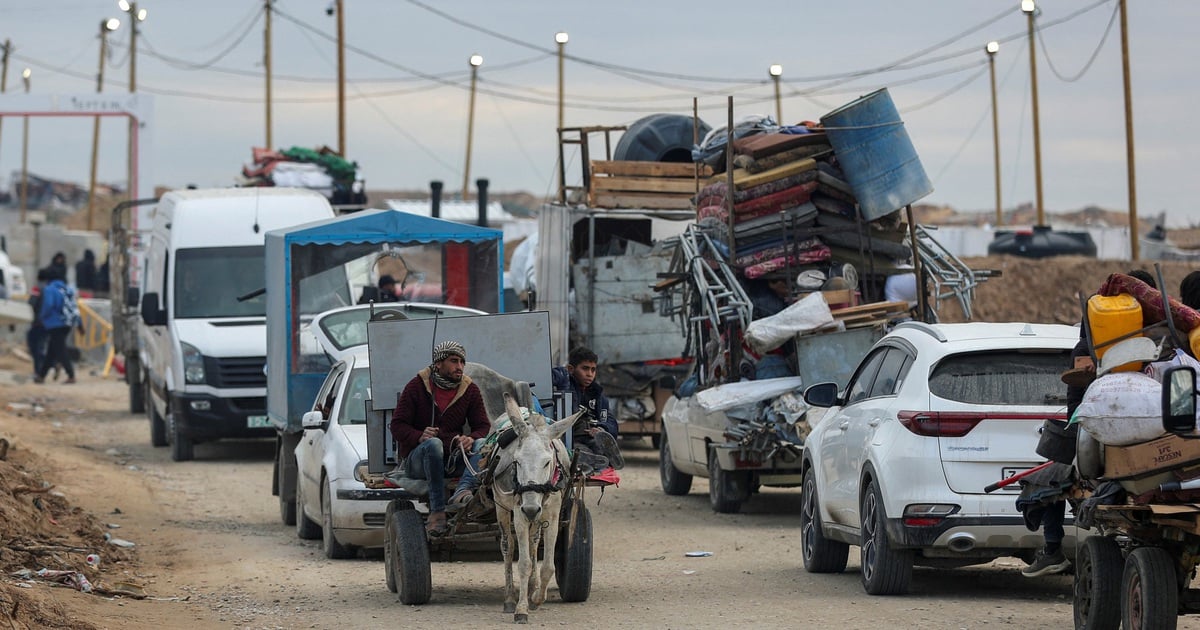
[334,444]
[899,461]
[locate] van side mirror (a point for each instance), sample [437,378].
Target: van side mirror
[131,297]
[1179,400]
[152,315]
[822,395]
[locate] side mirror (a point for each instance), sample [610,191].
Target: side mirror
[822,395]
[131,297]
[312,420]
[152,315]
[1179,400]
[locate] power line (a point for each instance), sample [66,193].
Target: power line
[188,65]
[947,93]
[986,111]
[1095,53]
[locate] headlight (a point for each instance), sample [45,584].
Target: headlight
[193,364]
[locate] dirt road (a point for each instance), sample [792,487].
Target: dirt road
[212,552]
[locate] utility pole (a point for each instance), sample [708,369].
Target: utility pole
[341,70]
[991,49]
[4,72]
[1129,164]
[267,67]
[1030,10]
[105,26]
[475,61]
[135,15]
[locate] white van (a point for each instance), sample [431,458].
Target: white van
[203,326]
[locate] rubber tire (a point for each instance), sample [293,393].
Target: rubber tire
[885,571]
[820,554]
[659,138]
[673,482]
[1089,456]
[1097,588]
[306,529]
[1149,590]
[409,554]
[726,489]
[158,426]
[333,549]
[656,440]
[137,391]
[573,558]
[287,509]
[183,449]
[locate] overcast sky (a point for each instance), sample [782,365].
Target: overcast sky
[408,86]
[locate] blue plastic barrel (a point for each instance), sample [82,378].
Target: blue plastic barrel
[876,154]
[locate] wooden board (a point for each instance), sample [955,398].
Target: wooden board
[644,184]
[646,201]
[648,169]
[872,307]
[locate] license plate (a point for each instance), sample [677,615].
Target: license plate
[263,422]
[1006,473]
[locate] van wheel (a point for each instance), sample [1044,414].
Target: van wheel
[183,449]
[158,428]
[137,391]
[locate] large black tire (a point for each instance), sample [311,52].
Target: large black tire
[137,391]
[820,554]
[183,449]
[333,549]
[659,138]
[573,557]
[885,571]
[408,554]
[673,482]
[1098,584]
[1149,591]
[284,456]
[727,489]
[158,426]
[306,529]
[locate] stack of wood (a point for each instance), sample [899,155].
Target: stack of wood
[872,314]
[649,185]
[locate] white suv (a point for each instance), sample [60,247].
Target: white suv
[931,416]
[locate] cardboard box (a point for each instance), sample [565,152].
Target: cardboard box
[1165,453]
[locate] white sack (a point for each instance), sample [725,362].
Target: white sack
[1122,408]
[732,395]
[809,314]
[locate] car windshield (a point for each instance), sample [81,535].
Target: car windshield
[349,328]
[358,390]
[209,281]
[1009,377]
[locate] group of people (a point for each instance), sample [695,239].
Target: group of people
[55,315]
[440,416]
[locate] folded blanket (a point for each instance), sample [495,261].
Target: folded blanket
[714,193]
[782,200]
[761,269]
[832,176]
[765,144]
[758,165]
[825,203]
[743,180]
[745,259]
[775,222]
[719,213]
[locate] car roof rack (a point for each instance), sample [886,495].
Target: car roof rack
[923,327]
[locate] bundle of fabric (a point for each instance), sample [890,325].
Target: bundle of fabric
[716,192]
[817,254]
[1150,299]
[319,169]
[771,225]
[760,206]
[766,163]
[770,250]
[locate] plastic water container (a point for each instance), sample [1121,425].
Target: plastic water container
[1194,341]
[876,154]
[1110,317]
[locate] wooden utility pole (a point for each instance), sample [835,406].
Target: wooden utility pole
[1037,130]
[341,87]
[992,49]
[4,72]
[104,28]
[1129,163]
[267,67]
[475,61]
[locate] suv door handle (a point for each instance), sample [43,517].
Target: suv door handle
[874,422]
[844,425]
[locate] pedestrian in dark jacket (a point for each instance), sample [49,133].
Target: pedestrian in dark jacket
[596,430]
[428,425]
[85,271]
[60,314]
[35,337]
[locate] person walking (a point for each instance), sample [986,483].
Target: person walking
[35,337]
[60,314]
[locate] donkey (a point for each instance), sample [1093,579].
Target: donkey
[529,477]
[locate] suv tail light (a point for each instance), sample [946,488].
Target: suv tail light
[960,423]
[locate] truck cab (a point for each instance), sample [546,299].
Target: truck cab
[202,334]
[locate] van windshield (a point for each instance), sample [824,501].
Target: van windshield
[209,280]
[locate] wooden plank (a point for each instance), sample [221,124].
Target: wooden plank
[649,169]
[873,306]
[645,201]
[685,187]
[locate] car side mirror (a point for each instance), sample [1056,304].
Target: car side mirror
[1179,400]
[822,395]
[131,297]
[312,420]
[152,315]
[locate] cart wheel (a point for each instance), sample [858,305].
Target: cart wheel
[1150,593]
[673,482]
[408,553]
[821,555]
[726,489]
[885,571]
[573,557]
[1097,585]
[389,567]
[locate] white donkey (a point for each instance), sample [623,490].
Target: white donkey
[530,475]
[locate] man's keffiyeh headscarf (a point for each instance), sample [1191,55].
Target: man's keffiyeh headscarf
[440,352]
